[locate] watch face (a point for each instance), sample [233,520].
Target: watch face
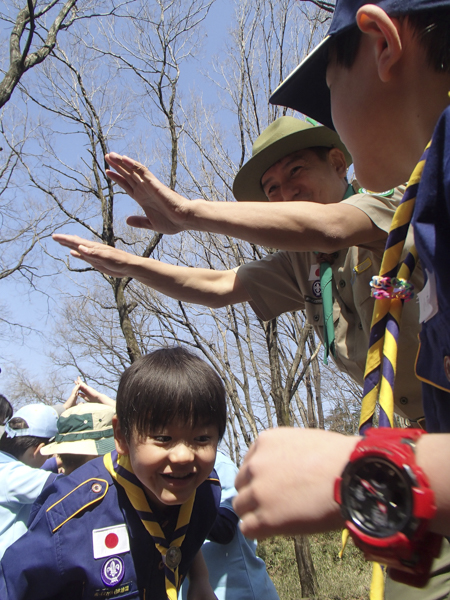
[376,497]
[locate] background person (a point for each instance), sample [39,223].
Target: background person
[84,432]
[20,461]
[383,73]
[6,412]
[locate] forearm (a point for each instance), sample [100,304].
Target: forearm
[291,226]
[199,586]
[198,286]
[433,456]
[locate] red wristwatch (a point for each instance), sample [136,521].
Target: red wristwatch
[387,503]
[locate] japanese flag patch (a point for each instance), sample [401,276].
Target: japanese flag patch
[110,541]
[314,272]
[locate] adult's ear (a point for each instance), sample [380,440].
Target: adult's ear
[384,30]
[338,161]
[119,438]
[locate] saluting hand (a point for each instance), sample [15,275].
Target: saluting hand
[108,260]
[166,211]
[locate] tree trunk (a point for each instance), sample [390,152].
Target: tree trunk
[305,565]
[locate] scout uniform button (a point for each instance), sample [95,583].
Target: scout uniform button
[316,317]
[96,488]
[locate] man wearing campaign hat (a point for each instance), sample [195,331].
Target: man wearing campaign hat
[293,194]
[20,460]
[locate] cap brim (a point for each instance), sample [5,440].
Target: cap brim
[247,183]
[305,89]
[86,447]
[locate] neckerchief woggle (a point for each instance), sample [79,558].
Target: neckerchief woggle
[120,469]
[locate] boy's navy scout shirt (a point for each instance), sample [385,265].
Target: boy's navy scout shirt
[431,222]
[87,541]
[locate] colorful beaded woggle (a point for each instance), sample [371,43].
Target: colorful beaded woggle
[391,287]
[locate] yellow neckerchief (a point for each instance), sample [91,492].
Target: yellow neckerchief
[381,363]
[120,469]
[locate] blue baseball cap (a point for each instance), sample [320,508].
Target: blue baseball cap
[305,89]
[41,420]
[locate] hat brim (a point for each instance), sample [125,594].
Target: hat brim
[247,184]
[86,447]
[305,89]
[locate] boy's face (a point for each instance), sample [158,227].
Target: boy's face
[357,108]
[172,462]
[376,106]
[304,176]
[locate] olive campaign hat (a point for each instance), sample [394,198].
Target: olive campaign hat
[284,136]
[83,429]
[305,89]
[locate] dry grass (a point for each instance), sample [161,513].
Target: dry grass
[346,579]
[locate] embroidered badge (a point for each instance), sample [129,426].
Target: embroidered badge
[110,541]
[113,571]
[314,272]
[316,290]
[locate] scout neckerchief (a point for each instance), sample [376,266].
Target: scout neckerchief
[390,289]
[120,469]
[326,289]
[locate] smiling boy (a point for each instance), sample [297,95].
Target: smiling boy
[131,524]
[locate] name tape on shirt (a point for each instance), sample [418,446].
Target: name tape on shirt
[110,540]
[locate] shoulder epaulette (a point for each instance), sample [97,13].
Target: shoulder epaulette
[85,494]
[213,480]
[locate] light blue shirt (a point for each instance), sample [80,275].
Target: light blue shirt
[235,572]
[20,485]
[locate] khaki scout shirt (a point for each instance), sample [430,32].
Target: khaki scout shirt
[289,281]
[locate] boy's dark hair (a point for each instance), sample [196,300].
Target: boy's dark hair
[74,461]
[166,385]
[16,446]
[432,28]
[6,410]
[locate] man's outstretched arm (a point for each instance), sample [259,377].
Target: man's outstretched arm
[294,226]
[199,286]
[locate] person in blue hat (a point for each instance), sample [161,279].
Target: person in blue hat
[20,460]
[381,77]
[131,523]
